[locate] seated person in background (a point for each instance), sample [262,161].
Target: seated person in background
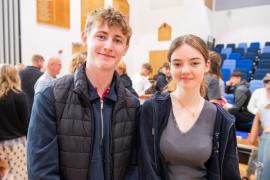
[122,71]
[259,98]
[163,77]
[140,80]
[241,98]
[77,59]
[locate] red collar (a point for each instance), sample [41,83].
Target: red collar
[103,94]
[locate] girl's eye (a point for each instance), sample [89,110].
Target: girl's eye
[195,63]
[176,64]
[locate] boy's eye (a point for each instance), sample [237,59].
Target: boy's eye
[176,64]
[118,41]
[101,37]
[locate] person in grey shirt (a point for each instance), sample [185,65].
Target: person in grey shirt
[53,68]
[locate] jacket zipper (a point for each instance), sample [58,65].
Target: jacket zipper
[101,121]
[224,153]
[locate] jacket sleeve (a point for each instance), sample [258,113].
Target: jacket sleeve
[147,154]
[230,168]
[42,148]
[240,98]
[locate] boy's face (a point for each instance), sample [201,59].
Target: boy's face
[105,46]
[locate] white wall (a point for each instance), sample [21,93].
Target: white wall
[47,40]
[242,25]
[188,16]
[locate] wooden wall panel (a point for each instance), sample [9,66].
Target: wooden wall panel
[87,6]
[164,32]
[157,59]
[122,6]
[54,12]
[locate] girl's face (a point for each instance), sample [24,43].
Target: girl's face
[188,67]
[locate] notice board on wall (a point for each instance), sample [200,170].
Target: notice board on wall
[54,12]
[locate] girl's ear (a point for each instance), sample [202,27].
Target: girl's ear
[207,65]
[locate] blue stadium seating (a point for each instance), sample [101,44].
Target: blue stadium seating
[255,45]
[239,50]
[226,73]
[220,46]
[267,43]
[264,64]
[265,56]
[260,73]
[255,84]
[229,64]
[243,45]
[253,50]
[226,51]
[231,45]
[245,63]
[266,49]
[250,55]
[235,55]
[229,98]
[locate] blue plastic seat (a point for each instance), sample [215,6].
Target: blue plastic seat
[245,63]
[266,49]
[243,45]
[226,51]
[229,64]
[265,56]
[255,45]
[260,73]
[255,84]
[229,98]
[226,73]
[239,50]
[235,55]
[231,45]
[267,43]
[220,46]
[264,64]
[250,55]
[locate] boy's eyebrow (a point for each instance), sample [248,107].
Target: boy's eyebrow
[104,32]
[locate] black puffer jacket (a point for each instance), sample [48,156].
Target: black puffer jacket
[75,127]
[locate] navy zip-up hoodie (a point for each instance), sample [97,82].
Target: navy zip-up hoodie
[223,163]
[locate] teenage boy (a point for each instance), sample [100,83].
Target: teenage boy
[84,126]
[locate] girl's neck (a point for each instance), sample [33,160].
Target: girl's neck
[187,97]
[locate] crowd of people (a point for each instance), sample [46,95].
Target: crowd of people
[90,123]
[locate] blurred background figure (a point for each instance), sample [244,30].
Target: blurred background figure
[259,98]
[77,60]
[140,80]
[53,67]
[121,69]
[163,77]
[215,85]
[14,123]
[29,76]
[19,67]
[242,95]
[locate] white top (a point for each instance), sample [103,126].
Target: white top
[43,81]
[258,100]
[140,83]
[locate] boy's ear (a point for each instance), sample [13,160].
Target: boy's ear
[127,46]
[84,39]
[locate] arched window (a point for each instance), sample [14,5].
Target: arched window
[164,32]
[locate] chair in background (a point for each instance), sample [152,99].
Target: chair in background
[235,55]
[255,45]
[243,45]
[226,51]
[231,45]
[260,73]
[239,50]
[264,64]
[229,64]
[255,84]
[226,73]
[267,43]
[265,56]
[266,49]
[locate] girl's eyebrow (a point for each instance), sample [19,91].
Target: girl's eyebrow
[191,59]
